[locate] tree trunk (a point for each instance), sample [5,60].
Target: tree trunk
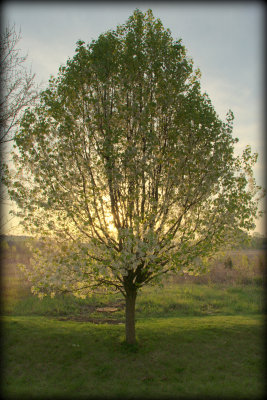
[130,317]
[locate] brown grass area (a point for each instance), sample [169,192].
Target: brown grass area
[14,284]
[236,267]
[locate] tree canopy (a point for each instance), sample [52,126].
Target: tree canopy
[125,170]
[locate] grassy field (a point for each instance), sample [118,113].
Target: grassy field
[216,356]
[195,339]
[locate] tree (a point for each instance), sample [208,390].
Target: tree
[17,84]
[125,172]
[17,92]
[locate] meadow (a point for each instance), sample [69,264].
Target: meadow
[197,337]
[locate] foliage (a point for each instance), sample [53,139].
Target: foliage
[256,241]
[124,169]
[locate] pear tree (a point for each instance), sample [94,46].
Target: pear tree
[124,172]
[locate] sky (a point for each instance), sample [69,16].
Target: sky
[224,39]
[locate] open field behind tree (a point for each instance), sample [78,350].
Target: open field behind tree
[238,267]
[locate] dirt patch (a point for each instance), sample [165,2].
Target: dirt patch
[83,318]
[88,310]
[107,309]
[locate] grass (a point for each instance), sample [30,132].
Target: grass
[181,356]
[193,340]
[171,301]
[197,300]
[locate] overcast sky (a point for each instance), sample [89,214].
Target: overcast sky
[224,39]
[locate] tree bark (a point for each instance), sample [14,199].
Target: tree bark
[130,317]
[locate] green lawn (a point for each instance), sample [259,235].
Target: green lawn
[193,341]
